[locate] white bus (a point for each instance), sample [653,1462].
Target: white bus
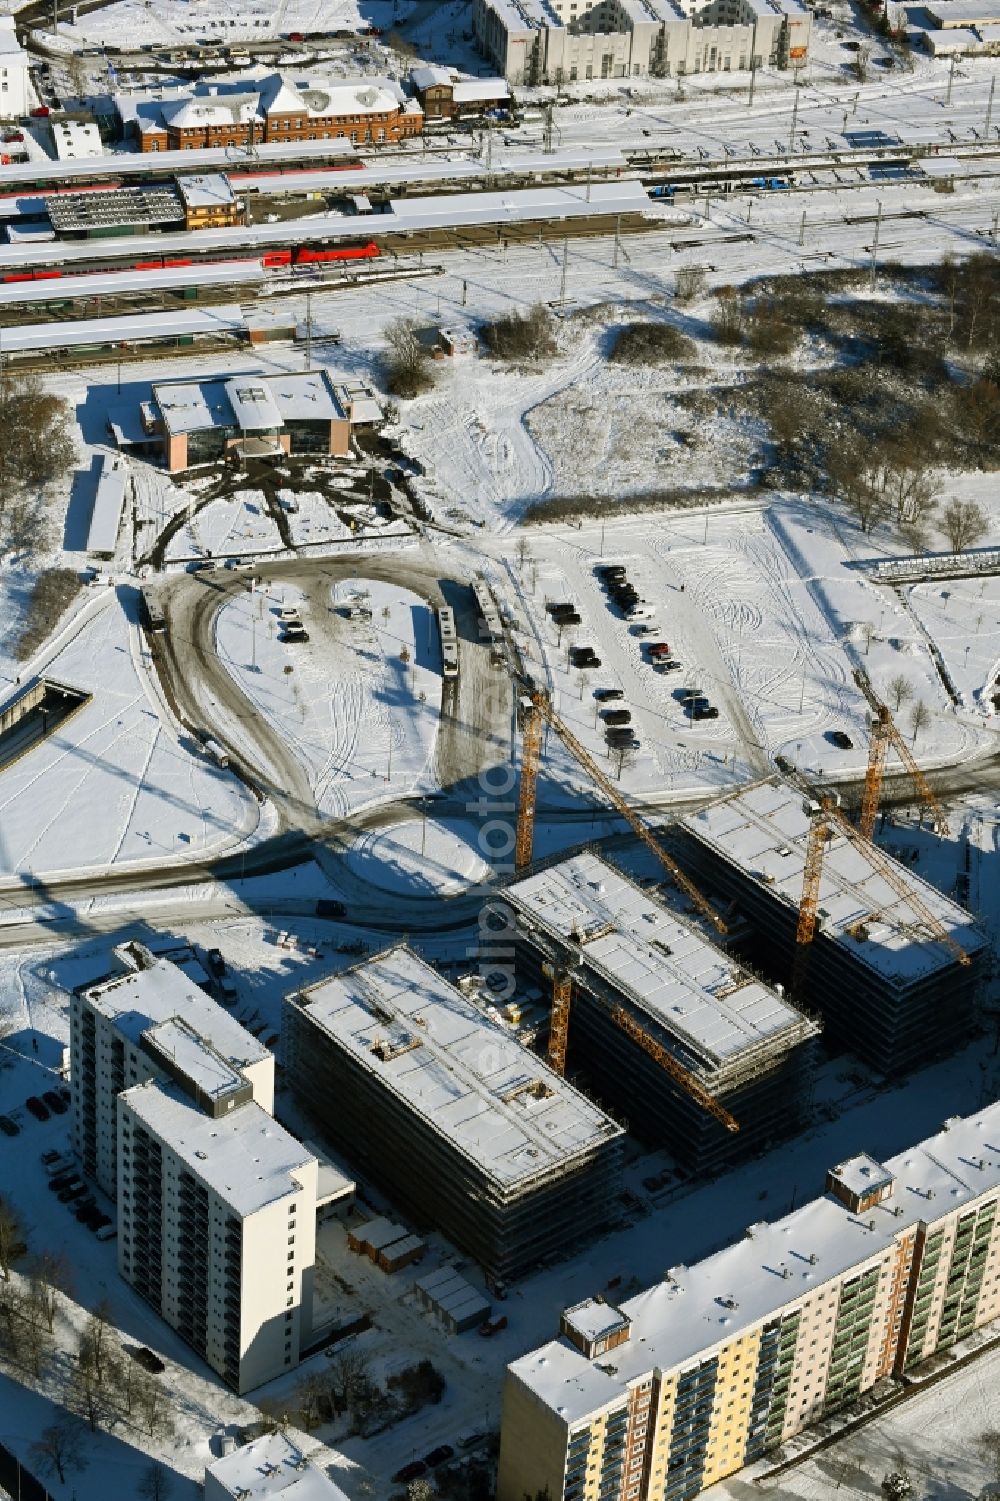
[449,641]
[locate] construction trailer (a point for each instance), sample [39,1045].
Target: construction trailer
[885,984]
[458,1122]
[626,952]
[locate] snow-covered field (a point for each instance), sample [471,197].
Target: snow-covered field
[236,527]
[113,784]
[358,702]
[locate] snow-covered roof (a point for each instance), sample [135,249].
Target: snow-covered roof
[763,830]
[10,48]
[273,1466]
[245,1156]
[948,13]
[228,158]
[428,76]
[194,1058]
[952,39]
[193,113]
[671,971]
[75,138]
[861,1174]
[470,1080]
[109,498]
[304,396]
[476,90]
[523,206]
[205,190]
[144,998]
[698,1308]
[253,405]
[133,329]
[594,1318]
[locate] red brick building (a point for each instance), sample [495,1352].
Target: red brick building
[273,109]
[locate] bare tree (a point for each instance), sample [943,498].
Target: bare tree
[408,365]
[855,480]
[625,755]
[861,60]
[57,1451]
[348,1371]
[900,691]
[49,1276]
[963,523]
[12,1244]
[689,283]
[522,553]
[96,1341]
[156,1483]
[920,718]
[153,1403]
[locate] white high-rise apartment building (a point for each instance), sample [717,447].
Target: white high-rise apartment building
[116,1041]
[172,1105]
[217,1225]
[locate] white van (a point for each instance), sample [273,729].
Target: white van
[640,612]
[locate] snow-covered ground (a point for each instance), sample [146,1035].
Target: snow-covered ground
[113,784]
[359,701]
[236,527]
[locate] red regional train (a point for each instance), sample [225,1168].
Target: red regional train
[301,255]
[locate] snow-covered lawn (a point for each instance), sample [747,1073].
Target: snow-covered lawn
[419,855]
[358,702]
[235,527]
[113,784]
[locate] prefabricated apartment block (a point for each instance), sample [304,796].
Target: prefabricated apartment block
[116,1041]
[217,1220]
[722,1361]
[884,986]
[172,1105]
[460,1124]
[740,1040]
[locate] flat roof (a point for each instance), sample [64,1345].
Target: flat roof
[273,1466]
[699,1308]
[470,1081]
[666,967]
[132,329]
[104,208]
[520,206]
[139,164]
[105,283]
[245,1157]
[595,1318]
[144,998]
[763,831]
[205,190]
[109,499]
[253,405]
[195,1057]
[861,1173]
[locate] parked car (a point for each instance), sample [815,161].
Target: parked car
[55,1102]
[216,963]
[571,617]
[667,664]
[470,1440]
[58,1166]
[288,612]
[61,1181]
[41,113]
[608,695]
[439,1455]
[493,1326]
[659,648]
[560,607]
[75,1191]
[610,571]
[704,711]
[86,1207]
[9,1127]
[48,1158]
[643,630]
[617,716]
[292,637]
[841,739]
[36,1107]
[107,1231]
[412,1471]
[641,610]
[784,765]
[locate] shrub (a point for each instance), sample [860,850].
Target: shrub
[52,593]
[650,344]
[520,336]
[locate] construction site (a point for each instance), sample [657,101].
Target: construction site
[460,1123]
[889,963]
[653,995]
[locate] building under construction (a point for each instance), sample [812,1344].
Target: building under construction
[461,1124]
[893,964]
[646,980]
